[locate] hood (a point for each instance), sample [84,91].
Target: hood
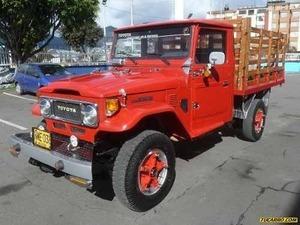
[109,83]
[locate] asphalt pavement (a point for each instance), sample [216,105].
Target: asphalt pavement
[221,180]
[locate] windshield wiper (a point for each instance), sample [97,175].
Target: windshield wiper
[163,59]
[128,56]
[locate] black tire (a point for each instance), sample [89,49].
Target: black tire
[19,89]
[248,128]
[127,165]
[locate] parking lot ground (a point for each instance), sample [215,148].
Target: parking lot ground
[220,179]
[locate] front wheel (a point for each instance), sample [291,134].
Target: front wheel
[144,170]
[19,89]
[253,125]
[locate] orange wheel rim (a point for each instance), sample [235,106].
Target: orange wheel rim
[152,172]
[259,121]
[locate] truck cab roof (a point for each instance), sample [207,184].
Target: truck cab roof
[208,22]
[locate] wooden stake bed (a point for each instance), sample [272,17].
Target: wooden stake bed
[259,57]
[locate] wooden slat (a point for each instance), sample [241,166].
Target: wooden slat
[259,60]
[259,54]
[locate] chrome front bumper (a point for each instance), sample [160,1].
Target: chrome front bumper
[71,166]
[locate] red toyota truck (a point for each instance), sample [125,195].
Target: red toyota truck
[169,81]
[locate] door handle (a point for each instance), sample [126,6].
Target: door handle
[225,83]
[196,105]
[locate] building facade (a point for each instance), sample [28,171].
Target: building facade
[258,15]
[278,16]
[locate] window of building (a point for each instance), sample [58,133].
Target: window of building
[260,18]
[209,41]
[261,10]
[251,12]
[242,12]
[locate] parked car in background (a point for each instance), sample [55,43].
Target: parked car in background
[30,77]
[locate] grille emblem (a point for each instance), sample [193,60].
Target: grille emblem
[66,109]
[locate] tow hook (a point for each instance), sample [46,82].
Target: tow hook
[15,150]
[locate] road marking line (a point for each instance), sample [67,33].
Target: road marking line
[20,97]
[12,124]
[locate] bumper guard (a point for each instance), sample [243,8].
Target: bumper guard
[21,145]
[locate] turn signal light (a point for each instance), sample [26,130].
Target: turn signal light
[112,106]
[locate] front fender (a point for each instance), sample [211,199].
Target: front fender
[127,118]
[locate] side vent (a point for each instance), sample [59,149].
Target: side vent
[184,105]
[173,100]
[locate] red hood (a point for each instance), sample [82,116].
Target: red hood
[109,83]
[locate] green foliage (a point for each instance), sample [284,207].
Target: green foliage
[27,26]
[80,37]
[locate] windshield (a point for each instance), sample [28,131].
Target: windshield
[54,70]
[163,42]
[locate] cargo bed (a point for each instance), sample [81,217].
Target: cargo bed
[259,56]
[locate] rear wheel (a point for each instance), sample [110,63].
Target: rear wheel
[144,170]
[253,125]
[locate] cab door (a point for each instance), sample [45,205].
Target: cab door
[212,95]
[32,79]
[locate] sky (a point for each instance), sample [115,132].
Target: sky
[117,12]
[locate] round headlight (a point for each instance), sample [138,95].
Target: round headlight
[89,113]
[45,106]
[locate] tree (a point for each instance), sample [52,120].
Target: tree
[85,36]
[27,26]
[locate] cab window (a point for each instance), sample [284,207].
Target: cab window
[209,41]
[31,71]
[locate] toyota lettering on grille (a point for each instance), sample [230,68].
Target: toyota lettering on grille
[66,109]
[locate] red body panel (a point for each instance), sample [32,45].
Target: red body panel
[154,87]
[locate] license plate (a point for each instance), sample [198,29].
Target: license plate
[41,138]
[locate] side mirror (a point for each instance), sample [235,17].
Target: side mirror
[216,58]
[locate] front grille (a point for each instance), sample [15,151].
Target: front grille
[67,111]
[84,151]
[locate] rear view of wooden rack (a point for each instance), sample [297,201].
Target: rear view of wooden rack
[259,56]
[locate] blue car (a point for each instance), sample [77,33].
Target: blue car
[30,77]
